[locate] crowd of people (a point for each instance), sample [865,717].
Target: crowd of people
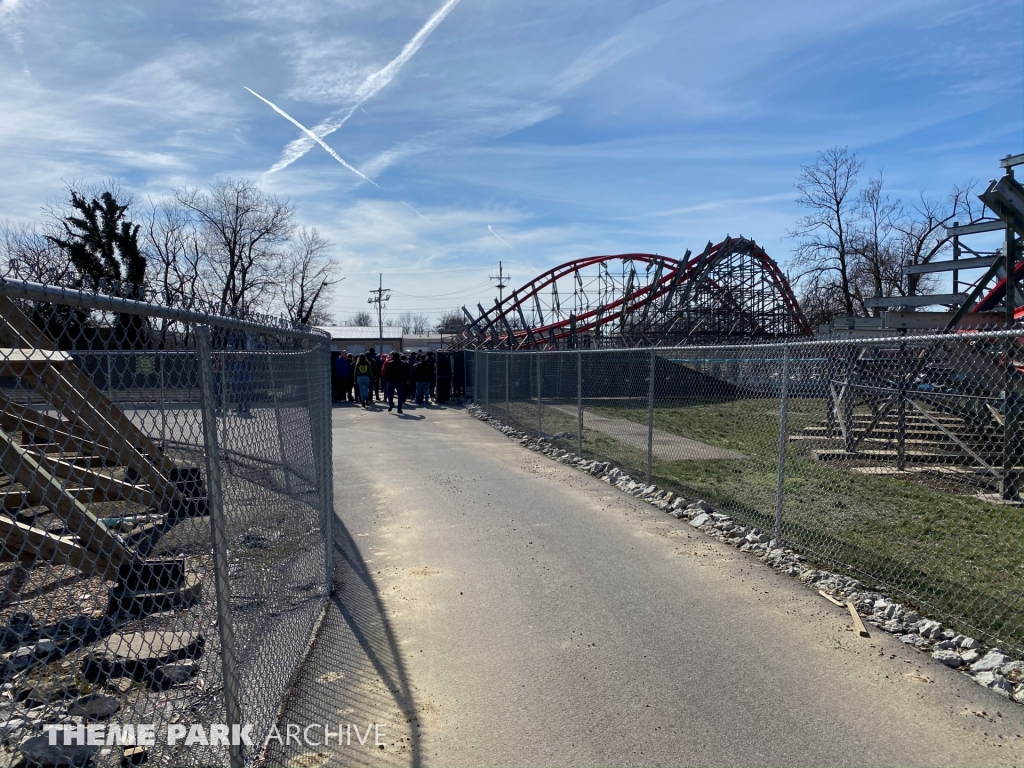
[362,378]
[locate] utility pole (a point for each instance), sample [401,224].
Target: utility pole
[379,297]
[500,280]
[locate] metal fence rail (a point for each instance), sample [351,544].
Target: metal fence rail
[165,525]
[896,460]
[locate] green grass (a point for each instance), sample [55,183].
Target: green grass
[958,558]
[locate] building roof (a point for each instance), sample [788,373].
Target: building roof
[362,332]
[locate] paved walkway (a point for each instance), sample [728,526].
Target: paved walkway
[496,608]
[665,445]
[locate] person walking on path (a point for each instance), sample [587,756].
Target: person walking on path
[364,372]
[341,376]
[433,375]
[396,374]
[423,374]
[349,384]
[376,364]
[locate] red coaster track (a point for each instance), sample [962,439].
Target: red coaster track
[732,290]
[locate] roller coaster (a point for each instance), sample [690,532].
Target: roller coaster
[730,291]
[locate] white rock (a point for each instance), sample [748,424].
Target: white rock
[929,629]
[702,505]
[991,661]
[700,519]
[1014,671]
[949,658]
[993,682]
[9,727]
[970,657]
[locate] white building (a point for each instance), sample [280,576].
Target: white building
[358,339]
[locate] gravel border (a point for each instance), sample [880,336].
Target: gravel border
[989,667]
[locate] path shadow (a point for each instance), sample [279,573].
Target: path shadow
[354,674]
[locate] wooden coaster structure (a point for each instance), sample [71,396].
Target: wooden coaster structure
[77,464]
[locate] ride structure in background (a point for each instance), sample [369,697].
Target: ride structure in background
[732,290]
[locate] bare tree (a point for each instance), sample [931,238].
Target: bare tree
[244,231]
[826,235]
[877,268]
[922,233]
[450,321]
[412,323]
[360,319]
[27,253]
[175,258]
[306,278]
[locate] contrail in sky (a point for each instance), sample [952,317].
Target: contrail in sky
[369,88]
[313,136]
[414,211]
[489,229]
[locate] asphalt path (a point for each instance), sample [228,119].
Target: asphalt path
[497,608]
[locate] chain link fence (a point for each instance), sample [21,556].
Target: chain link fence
[897,461]
[167,506]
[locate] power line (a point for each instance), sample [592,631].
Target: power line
[379,297]
[500,279]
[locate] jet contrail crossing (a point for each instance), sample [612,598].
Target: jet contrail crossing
[311,135]
[372,85]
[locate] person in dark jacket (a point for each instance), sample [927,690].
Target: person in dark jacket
[349,385]
[396,374]
[433,375]
[424,377]
[375,361]
[340,381]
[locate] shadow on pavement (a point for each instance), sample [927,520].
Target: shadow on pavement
[354,676]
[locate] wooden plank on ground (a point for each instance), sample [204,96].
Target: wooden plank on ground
[74,405]
[114,490]
[831,599]
[16,329]
[26,543]
[858,625]
[45,489]
[15,416]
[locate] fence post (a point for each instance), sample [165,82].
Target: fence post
[540,430]
[487,383]
[163,401]
[579,402]
[851,358]
[277,420]
[508,364]
[783,417]
[476,377]
[219,538]
[901,411]
[650,418]
[320,421]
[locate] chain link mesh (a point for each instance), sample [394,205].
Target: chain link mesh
[166,506]
[897,461]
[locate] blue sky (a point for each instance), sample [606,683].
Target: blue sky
[568,128]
